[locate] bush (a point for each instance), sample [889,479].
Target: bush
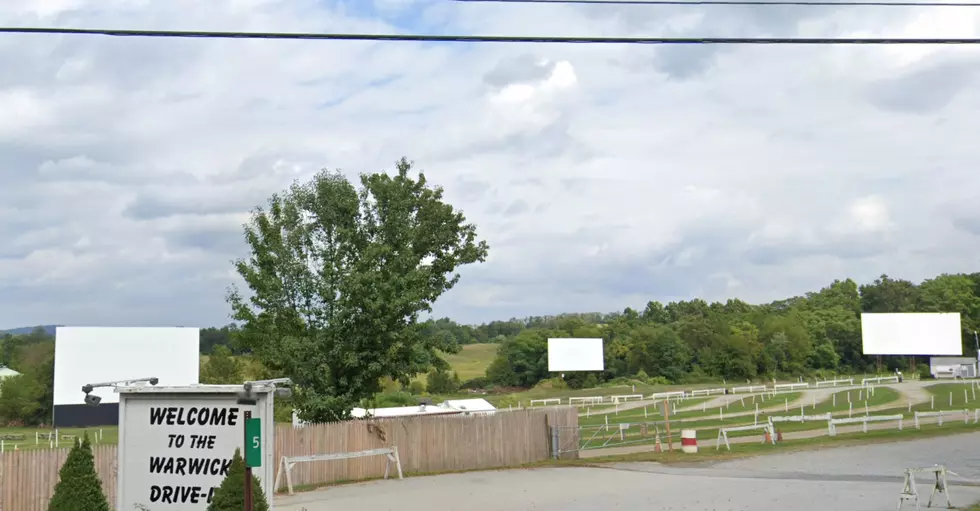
[478,383]
[441,382]
[230,496]
[79,488]
[416,387]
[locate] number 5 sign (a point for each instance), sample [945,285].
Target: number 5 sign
[253,442]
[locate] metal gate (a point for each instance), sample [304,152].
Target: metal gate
[568,441]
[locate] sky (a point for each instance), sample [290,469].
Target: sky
[602,176]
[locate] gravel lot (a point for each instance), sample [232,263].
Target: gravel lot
[866,478]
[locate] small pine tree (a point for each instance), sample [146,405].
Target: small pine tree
[230,496]
[79,488]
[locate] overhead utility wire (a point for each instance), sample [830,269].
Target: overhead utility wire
[485,38]
[804,3]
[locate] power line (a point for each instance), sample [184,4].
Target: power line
[489,38]
[850,3]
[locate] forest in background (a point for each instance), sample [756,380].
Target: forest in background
[816,334]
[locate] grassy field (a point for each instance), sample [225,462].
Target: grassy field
[964,394]
[855,399]
[473,360]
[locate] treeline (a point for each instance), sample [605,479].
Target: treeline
[689,341]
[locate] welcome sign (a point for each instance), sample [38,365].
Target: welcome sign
[176,447]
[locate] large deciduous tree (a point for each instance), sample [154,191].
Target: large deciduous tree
[338,279]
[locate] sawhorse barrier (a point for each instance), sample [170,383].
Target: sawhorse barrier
[289,461]
[723,434]
[833,423]
[910,492]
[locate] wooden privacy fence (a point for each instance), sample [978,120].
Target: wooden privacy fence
[28,477]
[425,445]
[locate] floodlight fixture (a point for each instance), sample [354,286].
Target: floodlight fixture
[94,400]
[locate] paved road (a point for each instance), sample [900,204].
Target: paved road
[866,478]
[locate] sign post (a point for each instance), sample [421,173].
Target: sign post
[253,454]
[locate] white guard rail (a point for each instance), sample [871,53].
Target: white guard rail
[706,392]
[667,395]
[800,418]
[749,388]
[864,420]
[723,434]
[591,400]
[288,462]
[880,379]
[945,413]
[834,383]
[546,402]
[620,399]
[790,386]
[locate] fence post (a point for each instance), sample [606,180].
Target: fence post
[555,447]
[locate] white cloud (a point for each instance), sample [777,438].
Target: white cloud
[602,176]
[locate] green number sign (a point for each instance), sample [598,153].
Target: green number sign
[253,443]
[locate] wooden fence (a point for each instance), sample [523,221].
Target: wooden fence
[28,477]
[425,445]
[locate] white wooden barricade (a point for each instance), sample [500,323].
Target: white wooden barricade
[620,399]
[944,413]
[287,463]
[748,388]
[706,392]
[545,402]
[723,434]
[800,418]
[790,386]
[667,395]
[880,379]
[834,383]
[863,420]
[591,400]
[910,492]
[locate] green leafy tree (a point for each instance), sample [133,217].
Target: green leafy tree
[230,495]
[221,367]
[79,488]
[440,381]
[339,277]
[19,399]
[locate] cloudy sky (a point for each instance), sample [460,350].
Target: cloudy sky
[601,176]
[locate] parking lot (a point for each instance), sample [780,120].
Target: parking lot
[865,478]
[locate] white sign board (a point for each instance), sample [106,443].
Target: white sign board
[573,354]
[98,354]
[914,333]
[176,445]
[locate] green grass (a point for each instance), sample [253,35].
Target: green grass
[942,392]
[858,399]
[98,435]
[473,360]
